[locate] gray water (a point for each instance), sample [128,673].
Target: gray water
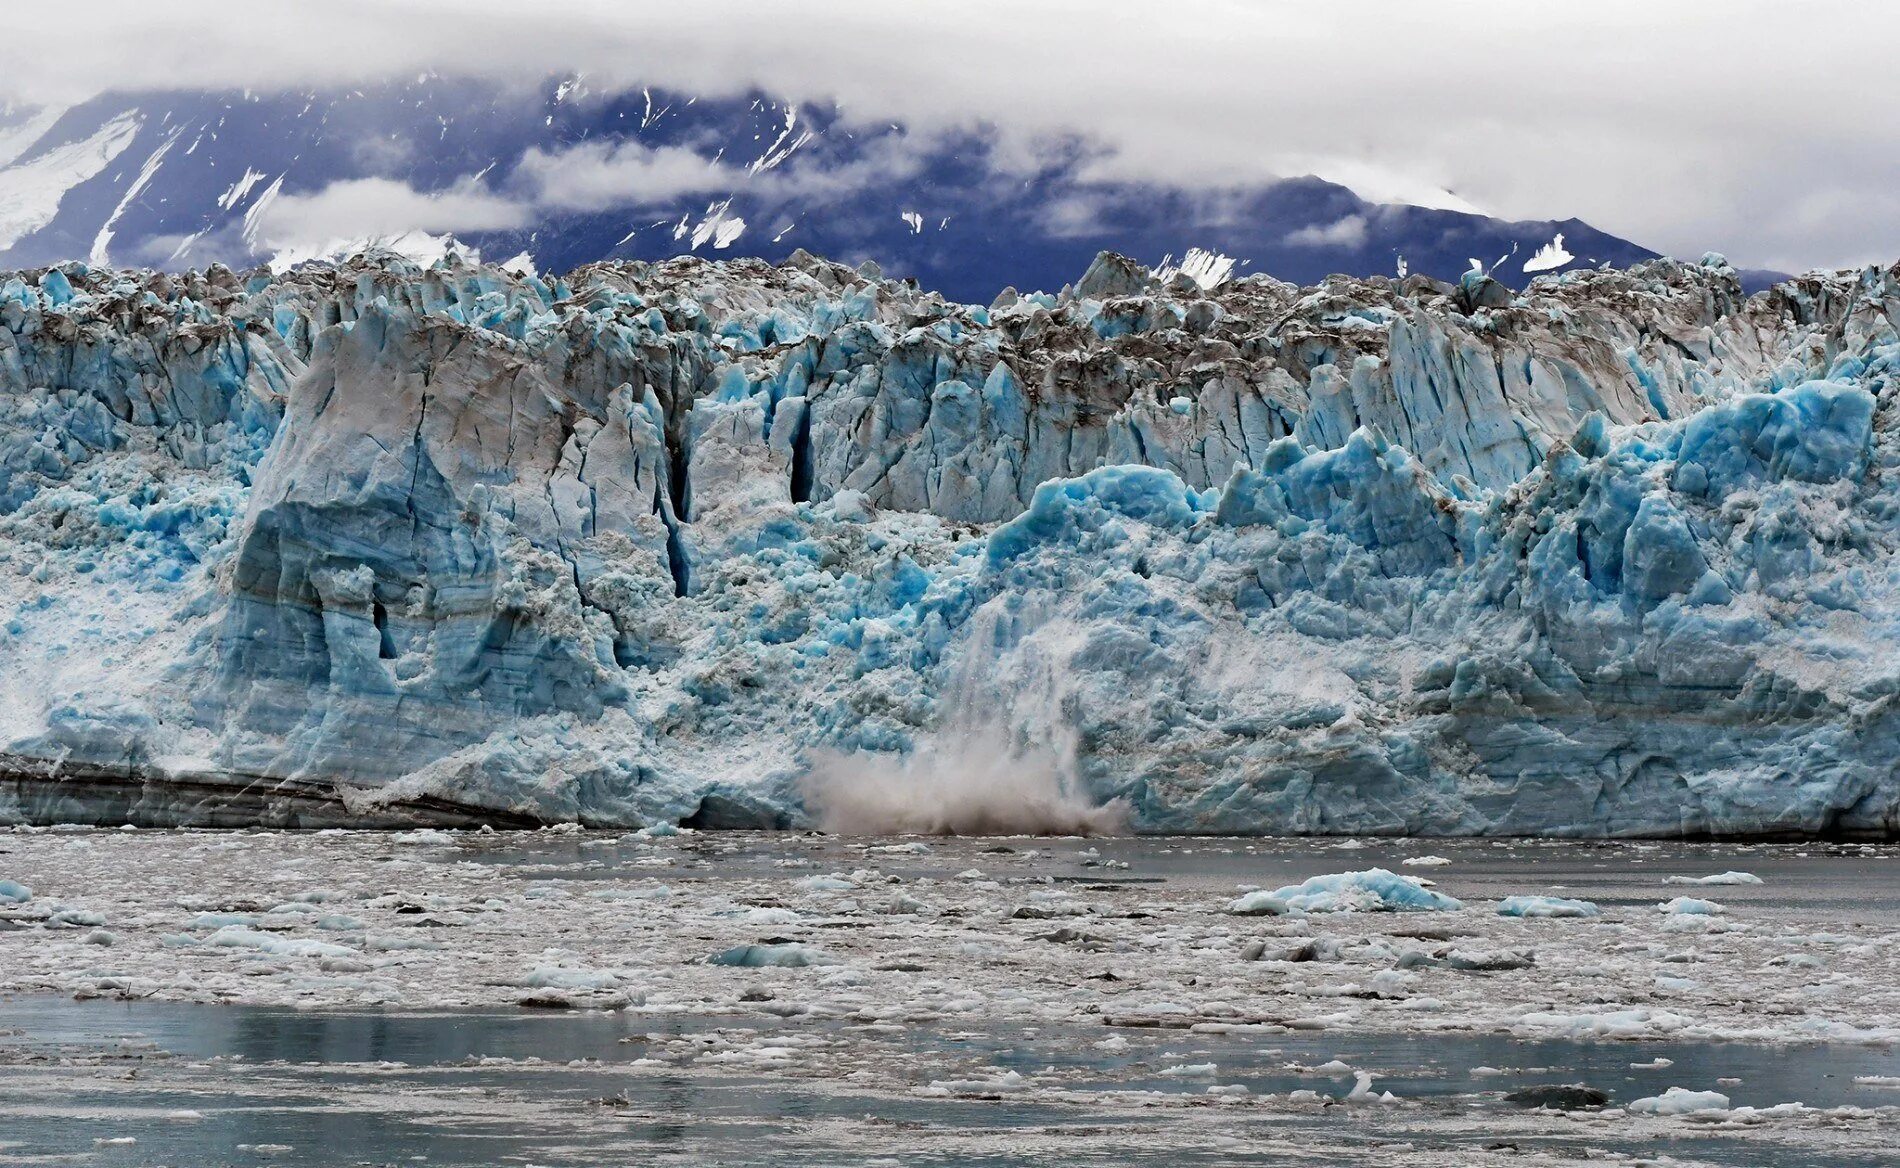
[1819,875]
[209,1085]
[366,1088]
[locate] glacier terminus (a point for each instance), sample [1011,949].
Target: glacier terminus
[747,545]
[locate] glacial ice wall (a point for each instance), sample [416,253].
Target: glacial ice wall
[372,543]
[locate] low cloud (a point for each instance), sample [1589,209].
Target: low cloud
[1347,232]
[1752,126]
[603,176]
[366,207]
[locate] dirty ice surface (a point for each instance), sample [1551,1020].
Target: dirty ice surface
[560,997]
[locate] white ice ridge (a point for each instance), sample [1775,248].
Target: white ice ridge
[717,542]
[1550,256]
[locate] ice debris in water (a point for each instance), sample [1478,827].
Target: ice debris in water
[1690,906]
[1545,906]
[240,937]
[1679,1101]
[14,893]
[1374,890]
[1718,878]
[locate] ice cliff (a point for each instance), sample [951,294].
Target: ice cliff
[721,542]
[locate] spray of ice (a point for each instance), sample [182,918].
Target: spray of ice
[1003,761]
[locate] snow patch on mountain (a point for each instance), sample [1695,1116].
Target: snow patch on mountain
[102,242]
[1549,257]
[31,188]
[1209,269]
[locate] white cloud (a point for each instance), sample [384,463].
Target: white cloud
[601,176]
[1349,231]
[1760,127]
[375,207]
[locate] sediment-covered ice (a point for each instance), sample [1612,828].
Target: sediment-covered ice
[647,544]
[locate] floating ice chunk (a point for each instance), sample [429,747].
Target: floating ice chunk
[1190,1071]
[1468,961]
[1680,1101]
[1629,1023]
[826,884]
[551,977]
[14,893]
[1362,1090]
[1424,861]
[1373,890]
[1545,906]
[424,835]
[219,920]
[769,916]
[1259,903]
[786,956]
[1877,1080]
[1718,878]
[1006,1081]
[239,937]
[1690,906]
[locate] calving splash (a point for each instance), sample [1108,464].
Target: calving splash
[1005,759]
[730,543]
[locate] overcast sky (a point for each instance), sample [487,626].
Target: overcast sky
[1769,129]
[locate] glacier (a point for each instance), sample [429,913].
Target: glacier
[371,543]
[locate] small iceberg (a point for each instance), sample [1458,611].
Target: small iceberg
[786,956]
[1374,890]
[1545,906]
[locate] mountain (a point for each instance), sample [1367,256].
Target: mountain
[732,544]
[565,176]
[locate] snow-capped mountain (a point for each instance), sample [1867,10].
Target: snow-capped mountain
[562,176]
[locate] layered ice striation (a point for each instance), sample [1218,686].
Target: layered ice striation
[652,543]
